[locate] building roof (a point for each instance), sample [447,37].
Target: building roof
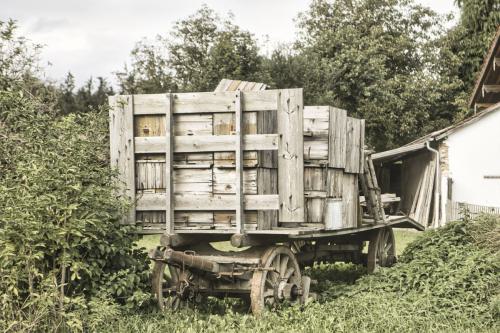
[439,135]
[487,88]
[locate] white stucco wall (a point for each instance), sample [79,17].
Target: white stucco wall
[474,152]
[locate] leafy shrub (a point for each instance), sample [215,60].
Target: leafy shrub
[61,242]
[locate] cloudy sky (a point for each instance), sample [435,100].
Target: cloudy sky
[94,38]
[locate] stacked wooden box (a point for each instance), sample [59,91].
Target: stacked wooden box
[333,160]
[206,144]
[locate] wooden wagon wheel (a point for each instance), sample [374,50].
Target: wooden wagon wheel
[171,285]
[279,279]
[381,250]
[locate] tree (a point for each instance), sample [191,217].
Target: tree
[374,58]
[470,39]
[86,98]
[198,52]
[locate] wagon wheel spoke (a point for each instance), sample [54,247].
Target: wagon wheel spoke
[289,272]
[283,266]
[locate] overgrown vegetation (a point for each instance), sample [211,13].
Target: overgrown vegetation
[445,281]
[62,250]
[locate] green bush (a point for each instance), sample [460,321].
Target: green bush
[61,242]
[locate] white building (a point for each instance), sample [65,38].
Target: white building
[458,167]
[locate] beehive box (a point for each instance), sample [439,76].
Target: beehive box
[333,160]
[210,161]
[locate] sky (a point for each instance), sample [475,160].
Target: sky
[94,38]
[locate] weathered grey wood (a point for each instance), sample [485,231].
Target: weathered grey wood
[335,182]
[267,183]
[291,156]
[205,102]
[211,143]
[122,146]
[240,226]
[156,201]
[362,146]
[337,138]
[316,127]
[169,165]
[353,144]
[350,198]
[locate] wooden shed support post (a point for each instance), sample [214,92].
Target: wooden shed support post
[240,213]
[169,159]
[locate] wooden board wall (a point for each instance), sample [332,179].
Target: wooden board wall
[334,158]
[204,177]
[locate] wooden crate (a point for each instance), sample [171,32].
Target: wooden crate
[333,159]
[210,160]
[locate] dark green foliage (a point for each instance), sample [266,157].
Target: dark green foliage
[375,58]
[471,38]
[85,98]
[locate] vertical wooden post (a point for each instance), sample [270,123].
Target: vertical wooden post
[121,125]
[240,213]
[291,156]
[169,166]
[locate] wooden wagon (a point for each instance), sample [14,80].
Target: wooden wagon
[280,181]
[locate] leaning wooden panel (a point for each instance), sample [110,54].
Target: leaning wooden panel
[121,125]
[291,156]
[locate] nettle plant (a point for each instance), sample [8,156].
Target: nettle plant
[60,232]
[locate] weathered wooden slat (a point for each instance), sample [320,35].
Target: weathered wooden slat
[353,145]
[122,146]
[240,222]
[205,102]
[337,138]
[350,198]
[291,156]
[209,143]
[169,165]
[156,201]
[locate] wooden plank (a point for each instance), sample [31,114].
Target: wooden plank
[156,201]
[205,102]
[353,145]
[335,181]
[169,165]
[267,183]
[350,199]
[209,143]
[122,147]
[291,156]
[223,180]
[240,223]
[362,146]
[337,138]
